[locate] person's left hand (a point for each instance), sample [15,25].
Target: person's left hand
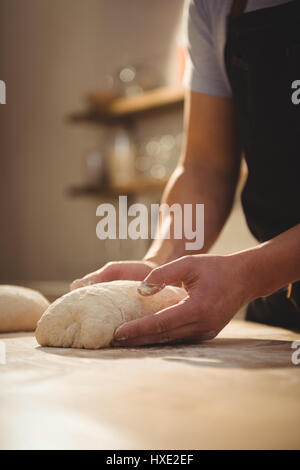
[216,290]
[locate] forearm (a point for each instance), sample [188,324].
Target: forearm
[193,185]
[271,265]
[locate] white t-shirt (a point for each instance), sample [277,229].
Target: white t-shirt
[206,35]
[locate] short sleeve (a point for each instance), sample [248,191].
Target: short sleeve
[203,72]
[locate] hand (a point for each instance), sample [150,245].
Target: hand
[216,291]
[126,270]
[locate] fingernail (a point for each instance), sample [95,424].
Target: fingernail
[121,338]
[146,288]
[75,283]
[82,283]
[119,335]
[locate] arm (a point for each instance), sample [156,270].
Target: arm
[273,264]
[207,172]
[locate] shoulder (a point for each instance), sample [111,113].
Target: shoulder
[207,17]
[209,10]
[205,44]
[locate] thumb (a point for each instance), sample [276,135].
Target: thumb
[173,273]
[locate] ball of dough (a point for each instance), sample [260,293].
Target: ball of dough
[88,317]
[20,308]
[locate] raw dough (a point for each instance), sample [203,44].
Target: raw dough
[88,317]
[20,308]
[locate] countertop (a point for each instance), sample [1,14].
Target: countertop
[239,391]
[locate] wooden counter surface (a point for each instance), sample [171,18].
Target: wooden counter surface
[240,390]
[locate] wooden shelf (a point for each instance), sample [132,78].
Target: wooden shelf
[122,108]
[136,187]
[125,106]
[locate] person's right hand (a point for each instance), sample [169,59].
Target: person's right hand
[117,270]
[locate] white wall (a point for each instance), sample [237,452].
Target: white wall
[51,53]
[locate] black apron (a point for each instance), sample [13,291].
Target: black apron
[262,58]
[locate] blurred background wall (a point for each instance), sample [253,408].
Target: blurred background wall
[52,53]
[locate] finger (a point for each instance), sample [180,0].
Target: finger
[173,273]
[80,283]
[171,317]
[192,332]
[105,274]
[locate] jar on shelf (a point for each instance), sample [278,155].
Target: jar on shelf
[122,158]
[96,171]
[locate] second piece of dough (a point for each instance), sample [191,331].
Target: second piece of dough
[20,308]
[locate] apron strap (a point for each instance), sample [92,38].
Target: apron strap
[238,7]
